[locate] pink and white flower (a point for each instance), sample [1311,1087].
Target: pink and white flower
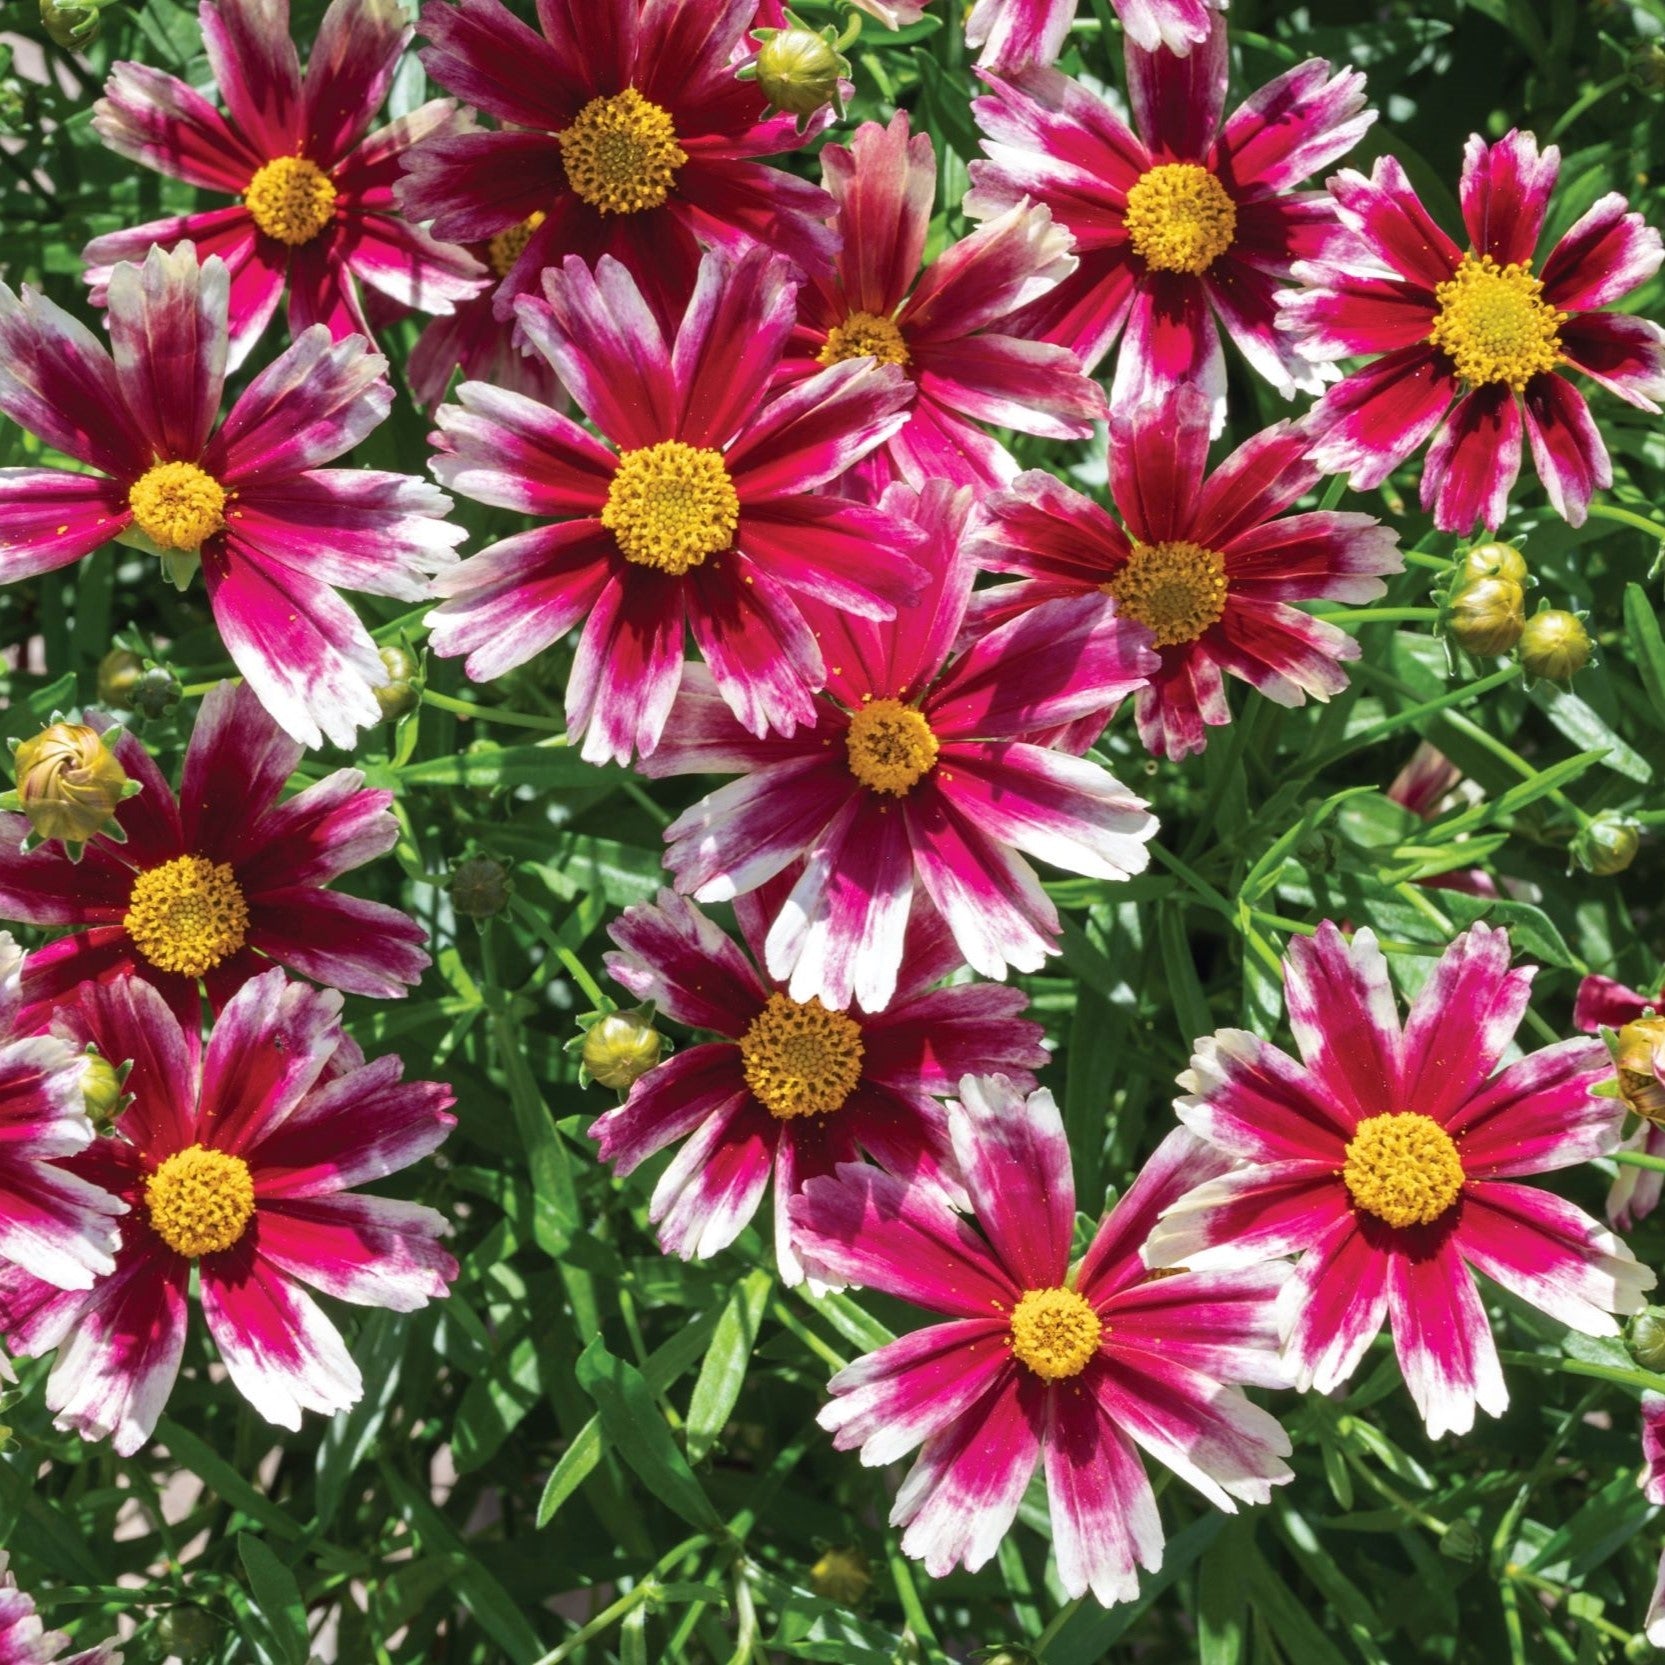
[793,1088]
[1601,1004]
[57,1227]
[214,885]
[922,775]
[273,530]
[25,1641]
[1208,567]
[473,341]
[237,1163]
[314,188]
[1075,1369]
[1474,339]
[708,517]
[1384,1158]
[621,131]
[1178,221]
[1017,33]
[944,328]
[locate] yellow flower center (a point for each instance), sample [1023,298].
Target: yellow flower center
[1175,590]
[1403,1169]
[508,246]
[291,199]
[1180,218]
[1055,1332]
[890,747]
[1494,323]
[200,1201]
[176,505]
[801,1059]
[670,505]
[621,153]
[187,915]
[865,335]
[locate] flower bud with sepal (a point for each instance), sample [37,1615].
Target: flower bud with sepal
[1555,645]
[799,69]
[69,785]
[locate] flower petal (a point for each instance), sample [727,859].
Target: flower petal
[1505,193]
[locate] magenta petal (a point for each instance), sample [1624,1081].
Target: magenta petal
[1505,192]
[670,953]
[1158,459]
[669,1102]
[714,1184]
[1334,1306]
[257,71]
[1601,1001]
[628,665]
[1289,128]
[349,70]
[1371,422]
[1253,1101]
[50,517]
[1251,1215]
[1223,1324]
[1605,255]
[761,653]
[372,1251]
[1345,1020]
[1626,355]
[341,941]
[1567,448]
[927,1041]
[1540,1113]
[484,54]
[1178,101]
[472,184]
[1017,33]
[1170,344]
[156,120]
[405,264]
[885,188]
[1387,215]
[1472,465]
[237,763]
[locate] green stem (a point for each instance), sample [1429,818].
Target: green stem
[1588,102]
[631,1599]
[1512,759]
[1519,1575]
[1644,1379]
[575,968]
[1639,1159]
[1626,517]
[1380,615]
[493,713]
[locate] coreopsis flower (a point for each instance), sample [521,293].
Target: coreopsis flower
[273,530]
[1017,33]
[1475,338]
[1077,1369]
[1601,1004]
[708,516]
[793,1087]
[57,1227]
[1208,566]
[314,188]
[25,1641]
[622,131]
[922,775]
[1385,1158]
[237,1163]
[214,885]
[944,328]
[1177,223]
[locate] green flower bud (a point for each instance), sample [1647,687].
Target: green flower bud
[480,887]
[1460,1542]
[1607,844]
[1639,1055]
[72,24]
[69,783]
[1645,66]
[1486,616]
[188,1633]
[1493,560]
[118,674]
[399,695]
[841,1575]
[1646,1338]
[1555,645]
[101,1090]
[620,1048]
[798,69]
[156,692]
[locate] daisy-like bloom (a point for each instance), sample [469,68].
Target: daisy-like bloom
[1384,1159]
[1017,33]
[57,1227]
[922,773]
[1475,333]
[1177,223]
[948,334]
[622,130]
[236,1162]
[273,530]
[1077,1369]
[706,518]
[1208,565]
[794,1087]
[25,1641]
[214,885]
[315,206]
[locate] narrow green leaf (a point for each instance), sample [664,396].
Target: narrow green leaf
[276,1597]
[1642,625]
[726,1361]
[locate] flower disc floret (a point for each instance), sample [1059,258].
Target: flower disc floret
[621,154]
[503,250]
[188,915]
[671,505]
[177,505]
[890,747]
[1055,1332]
[200,1201]
[1494,324]
[1180,218]
[291,199]
[865,335]
[1176,590]
[800,1058]
[1403,1168]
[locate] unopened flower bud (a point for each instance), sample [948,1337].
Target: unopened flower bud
[101,1090]
[1493,560]
[1606,844]
[156,692]
[1639,1054]
[480,887]
[69,783]
[187,1633]
[620,1048]
[1460,1542]
[118,674]
[399,695]
[798,69]
[1646,1339]
[1645,66]
[841,1575]
[1485,616]
[1012,1654]
[72,24]
[1555,645]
